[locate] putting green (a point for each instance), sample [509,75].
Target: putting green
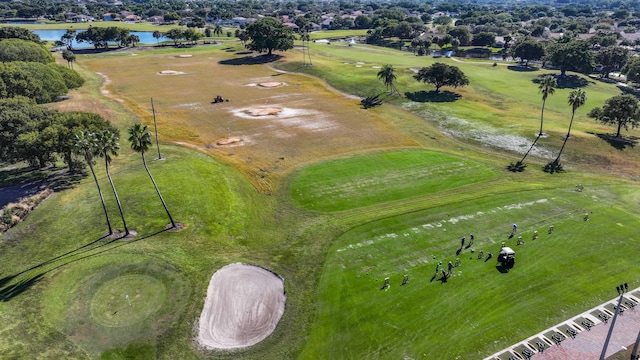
[127,300]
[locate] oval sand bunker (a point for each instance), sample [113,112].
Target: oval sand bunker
[270,84]
[243,306]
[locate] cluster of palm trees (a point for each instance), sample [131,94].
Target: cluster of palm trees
[105,144]
[576,99]
[305,37]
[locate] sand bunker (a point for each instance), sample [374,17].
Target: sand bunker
[170,72]
[270,84]
[185,56]
[264,111]
[243,306]
[228,141]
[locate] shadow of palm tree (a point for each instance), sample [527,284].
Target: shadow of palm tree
[9,292]
[565,82]
[34,273]
[432,96]
[619,143]
[522,68]
[251,60]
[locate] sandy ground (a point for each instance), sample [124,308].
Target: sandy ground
[243,306]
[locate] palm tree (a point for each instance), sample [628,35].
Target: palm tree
[108,145]
[547,87]
[85,143]
[304,36]
[577,98]
[388,74]
[140,139]
[217,31]
[157,35]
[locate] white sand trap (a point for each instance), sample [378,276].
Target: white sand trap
[243,306]
[270,84]
[266,111]
[170,72]
[228,141]
[185,56]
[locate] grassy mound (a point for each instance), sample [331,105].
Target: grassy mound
[361,181]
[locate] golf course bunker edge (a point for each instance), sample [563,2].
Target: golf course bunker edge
[243,306]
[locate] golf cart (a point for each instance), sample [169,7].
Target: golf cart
[507,257]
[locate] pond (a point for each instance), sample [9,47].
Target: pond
[146,37]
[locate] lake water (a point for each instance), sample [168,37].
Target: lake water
[146,37]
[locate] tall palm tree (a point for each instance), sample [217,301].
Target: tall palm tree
[109,146]
[304,36]
[85,143]
[388,74]
[140,139]
[577,98]
[217,31]
[547,87]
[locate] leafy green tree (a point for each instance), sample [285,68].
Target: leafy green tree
[577,98]
[175,35]
[23,50]
[529,50]
[575,55]
[71,123]
[442,20]
[269,34]
[14,32]
[612,58]
[632,70]
[461,33]
[133,40]
[18,116]
[70,57]
[140,139]
[85,143]
[193,35]
[38,81]
[108,146]
[483,39]
[620,110]
[388,74]
[440,74]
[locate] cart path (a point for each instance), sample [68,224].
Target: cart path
[587,344]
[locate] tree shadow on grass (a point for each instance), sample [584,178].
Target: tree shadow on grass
[565,82]
[9,288]
[619,143]
[432,96]
[251,60]
[522,68]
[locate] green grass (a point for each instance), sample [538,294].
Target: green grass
[420,191]
[367,180]
[421,319]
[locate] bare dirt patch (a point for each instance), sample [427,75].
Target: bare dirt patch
[229,141]
[243,306]
[170,72]
[264,111]
[271,84]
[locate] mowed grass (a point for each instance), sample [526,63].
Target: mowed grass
[361,181]
[480,309]
[62,286]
